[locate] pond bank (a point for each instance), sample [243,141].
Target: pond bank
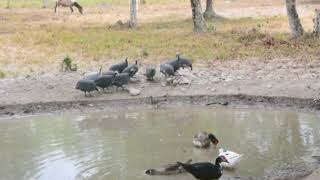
[237,100]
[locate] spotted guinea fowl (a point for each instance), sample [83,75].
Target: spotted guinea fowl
[132,69]
[113,73]
[105,81]
[169,169]
[175,63]
[167,70]
[92,75]
[150,73]
[86,86]
[185,62]
[120,66]
[121,79]
[203,140]
[205,170]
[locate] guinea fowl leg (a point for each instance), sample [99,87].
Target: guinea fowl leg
[85,94]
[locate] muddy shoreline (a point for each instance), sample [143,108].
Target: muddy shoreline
[234,101]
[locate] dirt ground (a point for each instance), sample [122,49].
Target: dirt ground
[282,77]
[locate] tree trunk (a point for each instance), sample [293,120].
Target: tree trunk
[209,12]
[197,17]
[133,14]
[293,17]
[316,21]
[142,2]
[44,3]
[8,4]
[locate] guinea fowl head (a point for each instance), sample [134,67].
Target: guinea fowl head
[221,159]
[213,139]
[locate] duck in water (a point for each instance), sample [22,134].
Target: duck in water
[205,170]
[203,140]
[169,169]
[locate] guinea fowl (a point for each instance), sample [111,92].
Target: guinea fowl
[203,140]
[132,69]
[185,63]
[121,79]
[205,170]
[167,70]
[86,86]
[113,73]
[92,75]
[105,81]
[175,63]
[120,66]
[150,73]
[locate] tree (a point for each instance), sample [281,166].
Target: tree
[8,4]
[143,2]
[316,21]
[133,14]
[293,17]
[197,17]
[44,3]
[209,12]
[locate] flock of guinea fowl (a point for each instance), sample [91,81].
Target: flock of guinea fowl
[119,75]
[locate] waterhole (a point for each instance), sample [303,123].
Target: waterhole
[122,145]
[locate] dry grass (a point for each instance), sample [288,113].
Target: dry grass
[32,40]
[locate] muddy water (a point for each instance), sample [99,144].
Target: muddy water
[120,146]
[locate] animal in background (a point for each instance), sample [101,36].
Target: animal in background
[68,3]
